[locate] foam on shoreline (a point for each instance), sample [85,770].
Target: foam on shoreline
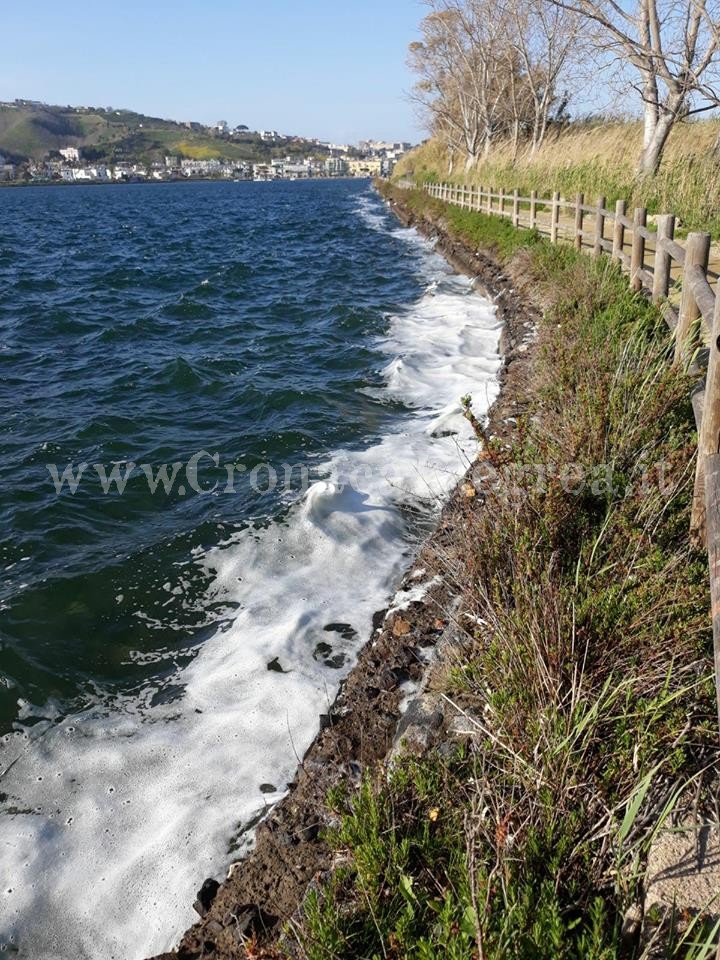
[122,811]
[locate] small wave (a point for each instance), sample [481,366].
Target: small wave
[372,214]
[188,309]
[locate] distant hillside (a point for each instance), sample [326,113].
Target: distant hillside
[31,131]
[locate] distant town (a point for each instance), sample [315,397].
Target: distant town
[305,159]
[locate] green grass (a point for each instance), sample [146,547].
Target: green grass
[496,235]
[587,685]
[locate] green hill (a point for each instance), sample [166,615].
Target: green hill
[30,131]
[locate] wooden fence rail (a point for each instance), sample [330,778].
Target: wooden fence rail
[662,267]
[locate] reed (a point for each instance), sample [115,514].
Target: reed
[598,160]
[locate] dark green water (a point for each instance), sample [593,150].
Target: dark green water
[147,324]
[165,653]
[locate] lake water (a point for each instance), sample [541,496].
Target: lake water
[293,360]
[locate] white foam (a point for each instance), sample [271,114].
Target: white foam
[403,599]
[123,810]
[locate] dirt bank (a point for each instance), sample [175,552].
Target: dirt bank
[375,707]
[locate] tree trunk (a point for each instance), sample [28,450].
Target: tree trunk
[539,130]
[515,141]
[651,113]
[716,148]
[653,150]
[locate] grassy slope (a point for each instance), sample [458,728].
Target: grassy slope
[26,134]
[598,160]
[587,682]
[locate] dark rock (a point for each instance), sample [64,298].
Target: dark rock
[309,834]
[248,919]
[275,667]
[205,896]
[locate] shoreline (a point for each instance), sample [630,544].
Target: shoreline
[382,701]
[15,185]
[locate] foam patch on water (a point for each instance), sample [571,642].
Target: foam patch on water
[113,817]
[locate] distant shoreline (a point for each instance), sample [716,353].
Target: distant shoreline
[134,183]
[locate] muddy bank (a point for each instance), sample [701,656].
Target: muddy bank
[382,701]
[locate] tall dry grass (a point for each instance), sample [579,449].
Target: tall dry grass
[598,160]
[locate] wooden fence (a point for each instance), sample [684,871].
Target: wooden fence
[679,278]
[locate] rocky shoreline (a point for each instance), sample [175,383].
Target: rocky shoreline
[386,703]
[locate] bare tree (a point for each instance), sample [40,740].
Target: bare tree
[673,47]
[549,43]
[491,69]
[461,63]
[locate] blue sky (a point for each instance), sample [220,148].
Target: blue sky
[328,68]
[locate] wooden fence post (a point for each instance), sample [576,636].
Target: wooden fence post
[709,435]
[489,200]
[599,227]
[637,255]
[533,209]
[501,203]
[697,253]
[619,231]
[579,216]
[663,261]
[712,506]
[554,216]
[707,482]
[516,208]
